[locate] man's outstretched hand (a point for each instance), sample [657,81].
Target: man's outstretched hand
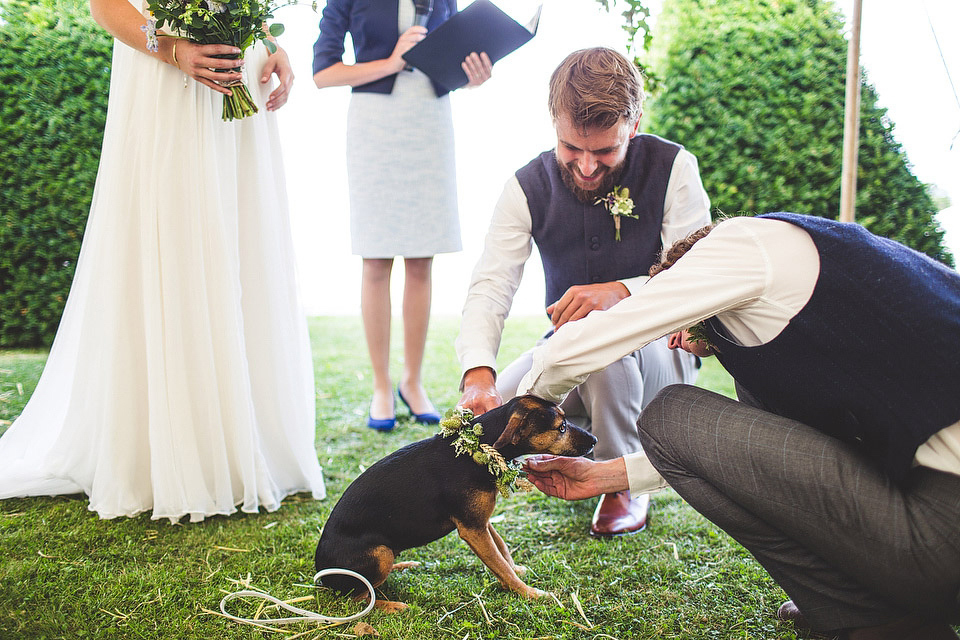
[575,478]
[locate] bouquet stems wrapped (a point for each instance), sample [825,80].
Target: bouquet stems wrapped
[235,22]
[239,104]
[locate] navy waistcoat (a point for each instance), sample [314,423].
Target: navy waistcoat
[577,241]
[872,358]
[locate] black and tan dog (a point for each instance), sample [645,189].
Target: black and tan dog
[424,491]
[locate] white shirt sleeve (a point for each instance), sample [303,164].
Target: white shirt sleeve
[642,477]
[752,274]
[686,207]
[495,280]
[726,274]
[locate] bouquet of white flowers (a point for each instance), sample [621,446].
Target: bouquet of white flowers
[236,22]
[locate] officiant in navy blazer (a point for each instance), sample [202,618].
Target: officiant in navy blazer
[401,174]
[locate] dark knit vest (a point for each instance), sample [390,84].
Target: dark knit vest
[872,359]
[577,241]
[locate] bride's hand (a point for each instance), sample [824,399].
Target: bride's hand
[278,63]
[197,61]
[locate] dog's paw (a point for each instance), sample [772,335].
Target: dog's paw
[520,570]
[534,593]
[390,606]
[400,566]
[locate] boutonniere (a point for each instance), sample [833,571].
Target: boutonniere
[618,203]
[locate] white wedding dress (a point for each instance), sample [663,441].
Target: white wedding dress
[180,380]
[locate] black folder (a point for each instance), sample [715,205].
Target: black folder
[480,27]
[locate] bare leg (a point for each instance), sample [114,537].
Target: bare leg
[375,308]
[417,293]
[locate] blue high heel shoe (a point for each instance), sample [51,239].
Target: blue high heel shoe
[383,424]
[430,417]
[386,424]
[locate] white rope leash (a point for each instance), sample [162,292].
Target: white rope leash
[302,615]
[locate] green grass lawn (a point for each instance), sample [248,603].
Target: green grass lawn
[64,573]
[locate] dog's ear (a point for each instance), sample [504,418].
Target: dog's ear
[515,430]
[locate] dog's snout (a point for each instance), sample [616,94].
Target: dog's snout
[591,443]
[577,441]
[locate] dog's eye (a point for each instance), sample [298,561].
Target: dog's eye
[563,426]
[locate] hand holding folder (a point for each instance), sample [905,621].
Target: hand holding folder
[481,27]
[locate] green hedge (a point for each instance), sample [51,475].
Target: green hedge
[755,88]
[54,81]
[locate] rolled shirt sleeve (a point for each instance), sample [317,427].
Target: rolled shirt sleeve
[495,280]
[642,477]
[719,276]
[686,208]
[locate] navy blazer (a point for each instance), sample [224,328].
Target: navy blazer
[373,26]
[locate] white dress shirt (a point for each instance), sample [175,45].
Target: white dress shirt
[752,274]
[509,243]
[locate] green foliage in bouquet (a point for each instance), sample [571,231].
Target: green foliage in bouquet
[54,82]
[755,88]
[237,22]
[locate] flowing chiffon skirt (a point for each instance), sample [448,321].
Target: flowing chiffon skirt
[180,380]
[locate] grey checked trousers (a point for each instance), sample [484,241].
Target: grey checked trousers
[849,547]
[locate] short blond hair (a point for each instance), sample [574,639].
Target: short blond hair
[596,88]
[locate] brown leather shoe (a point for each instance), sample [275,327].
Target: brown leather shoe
[909,628]
[788,612]
[617,514]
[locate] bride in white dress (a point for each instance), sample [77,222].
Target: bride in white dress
[180,380]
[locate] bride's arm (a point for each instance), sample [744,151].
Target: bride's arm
[124,23]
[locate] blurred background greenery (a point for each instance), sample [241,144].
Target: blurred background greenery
[754,88]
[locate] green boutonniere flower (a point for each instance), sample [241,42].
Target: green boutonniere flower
[619,203]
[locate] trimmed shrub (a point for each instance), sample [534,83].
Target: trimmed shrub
[755,88]
[54,81]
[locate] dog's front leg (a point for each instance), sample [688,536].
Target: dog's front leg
[520,570]
[482,542]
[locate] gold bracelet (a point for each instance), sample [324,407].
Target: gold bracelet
[175,53]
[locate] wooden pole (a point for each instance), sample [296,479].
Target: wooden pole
[851,122]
